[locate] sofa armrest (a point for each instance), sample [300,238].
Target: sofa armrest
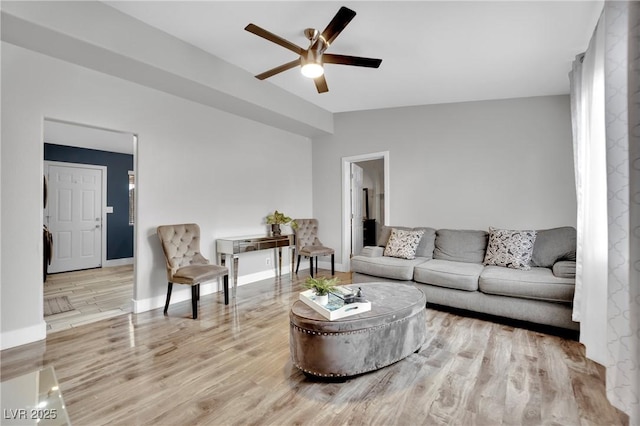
[564,269]
[372,251]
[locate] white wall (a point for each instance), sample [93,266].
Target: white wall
[194,163]
[505,163]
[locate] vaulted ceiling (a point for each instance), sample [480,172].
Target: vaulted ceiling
[432,51]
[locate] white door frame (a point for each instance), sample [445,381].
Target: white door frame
[103,202]
[346,198]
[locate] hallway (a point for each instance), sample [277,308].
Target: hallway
[95,294]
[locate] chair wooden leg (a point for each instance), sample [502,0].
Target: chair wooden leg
[333,267]
[194,300]
[316,265]
[225,282]
[198,291]
[298,264]
[311,264]
[166,304]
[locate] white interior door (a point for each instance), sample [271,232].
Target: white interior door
[356,209]
[74,216]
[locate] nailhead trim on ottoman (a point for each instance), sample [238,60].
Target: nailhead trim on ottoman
[393,329]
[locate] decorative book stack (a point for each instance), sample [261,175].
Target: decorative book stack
[338,305]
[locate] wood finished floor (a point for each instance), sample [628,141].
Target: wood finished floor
[95,294]
[232,366]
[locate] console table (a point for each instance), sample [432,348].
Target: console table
[231,248]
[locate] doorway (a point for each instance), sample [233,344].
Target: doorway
[74,215]
[89,211]
[365,190]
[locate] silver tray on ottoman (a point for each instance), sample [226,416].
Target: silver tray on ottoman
[336,308]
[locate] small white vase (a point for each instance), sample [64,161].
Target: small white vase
[322,300]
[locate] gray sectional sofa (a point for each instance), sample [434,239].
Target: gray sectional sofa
[449,267]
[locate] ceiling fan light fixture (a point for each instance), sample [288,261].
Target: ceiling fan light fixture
[312,59]
[311,62]
[312,70]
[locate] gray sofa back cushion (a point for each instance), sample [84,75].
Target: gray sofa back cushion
[385,233]
[460,245]
[553,245]
[427,242]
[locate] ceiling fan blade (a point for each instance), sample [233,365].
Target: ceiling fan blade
[329,58]
[261,32]
[278,70]
[321,84]
[337,24]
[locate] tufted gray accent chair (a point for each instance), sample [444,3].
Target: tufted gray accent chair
[308,244]
[185,264]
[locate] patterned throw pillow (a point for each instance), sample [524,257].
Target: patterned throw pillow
[403,243]
[512,249]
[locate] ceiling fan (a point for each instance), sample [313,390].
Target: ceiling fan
[314,57]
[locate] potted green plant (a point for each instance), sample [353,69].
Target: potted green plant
[322,286]
[276,219]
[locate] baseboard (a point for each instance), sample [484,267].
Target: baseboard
[118,262]
[258,276]
[327,265]
[22,336]
[182,293]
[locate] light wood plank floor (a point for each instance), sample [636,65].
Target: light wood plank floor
[232,366]
[95,294]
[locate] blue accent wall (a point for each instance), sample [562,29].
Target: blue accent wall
[119,232]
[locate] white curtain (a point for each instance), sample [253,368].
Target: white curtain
[591,177]
[606,122]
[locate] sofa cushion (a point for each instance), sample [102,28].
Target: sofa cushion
[553,245]
[536,283]
[385,233]
[512,249]
[403,244]
[427,243]
[445,273]
[460,245]
[386,267]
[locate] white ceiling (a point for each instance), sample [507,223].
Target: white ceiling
[432,51]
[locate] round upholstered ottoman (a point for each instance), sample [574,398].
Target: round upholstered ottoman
[394,328]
